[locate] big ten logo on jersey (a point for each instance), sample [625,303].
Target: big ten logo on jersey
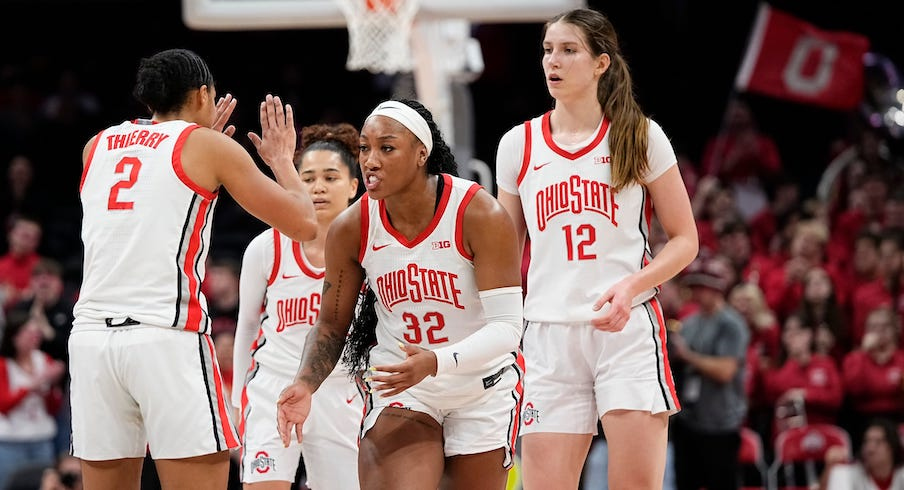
[415,284]
[602,159]
[441,244]
[575,195]
[297,311]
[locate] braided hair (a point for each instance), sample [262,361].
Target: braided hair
[363,333]
[165,79]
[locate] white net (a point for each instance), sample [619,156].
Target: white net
[379,34]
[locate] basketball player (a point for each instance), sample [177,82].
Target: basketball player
[280,298]
[437,336]
[144,375]
[581,181]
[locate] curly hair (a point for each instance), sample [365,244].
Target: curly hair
[341,138]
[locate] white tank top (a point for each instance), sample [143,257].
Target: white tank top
[292,305]
[584,238]
[425,288]
[146,230]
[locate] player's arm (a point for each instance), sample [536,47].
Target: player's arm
[252,290]
[341,285]
[490,237]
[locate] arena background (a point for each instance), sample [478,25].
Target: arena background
[684,55]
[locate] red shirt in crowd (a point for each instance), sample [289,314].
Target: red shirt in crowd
[874,388]
[819,378]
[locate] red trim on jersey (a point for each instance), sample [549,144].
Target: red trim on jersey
[444,200]
[460,220]
[296,251]
[193,320]
[180,172]
[519,399]
[365,227]
[222,410]
[88,161]
[669,381]
[277,256]
[547,136]
[648,210]
[525,158]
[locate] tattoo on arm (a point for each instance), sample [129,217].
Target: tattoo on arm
[321,353]
[338,296]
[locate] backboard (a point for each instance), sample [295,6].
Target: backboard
[230,15]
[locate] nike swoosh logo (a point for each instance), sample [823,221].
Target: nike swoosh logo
[350,400]
[284,276]
[538,167]
[376,247]
[455,357]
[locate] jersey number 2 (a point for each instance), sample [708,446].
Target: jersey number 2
[433,322]
[113,201]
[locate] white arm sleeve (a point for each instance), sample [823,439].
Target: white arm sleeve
[502,308]
[256,265]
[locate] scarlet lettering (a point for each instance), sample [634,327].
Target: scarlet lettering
[297,311]
[575,195]
[417,284]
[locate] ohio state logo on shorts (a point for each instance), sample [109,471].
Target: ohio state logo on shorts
[262,462]
[530,414]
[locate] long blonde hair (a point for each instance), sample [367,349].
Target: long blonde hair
[615,91]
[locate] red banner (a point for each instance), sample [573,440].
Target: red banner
[791,59]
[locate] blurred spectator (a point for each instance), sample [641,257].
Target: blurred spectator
[783,284]
[879,467]
[859,267]
[24,237]
[70,104]
[49,308]
[221,287]
[29,397]
[53,313]
[762,352]
[20,195]
[743,157]
[805,378]
[714,207]
[819,307]
[735,244]
[66,474]
[864,212]
[845,172]
[885,290]
[874,373]
[783,206]
[710,351]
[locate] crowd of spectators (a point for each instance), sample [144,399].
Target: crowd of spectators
[816,280]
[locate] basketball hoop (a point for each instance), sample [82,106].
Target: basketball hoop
[379,33]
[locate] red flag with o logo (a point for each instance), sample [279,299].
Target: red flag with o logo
[791,59]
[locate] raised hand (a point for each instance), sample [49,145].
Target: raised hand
[225,106]
[278,135]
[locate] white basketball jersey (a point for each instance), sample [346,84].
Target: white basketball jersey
[291,306]
[425,287]
[585,237]
[146,230]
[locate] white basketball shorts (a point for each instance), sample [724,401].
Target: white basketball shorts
[329,437]
[576,373]
[140,388]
